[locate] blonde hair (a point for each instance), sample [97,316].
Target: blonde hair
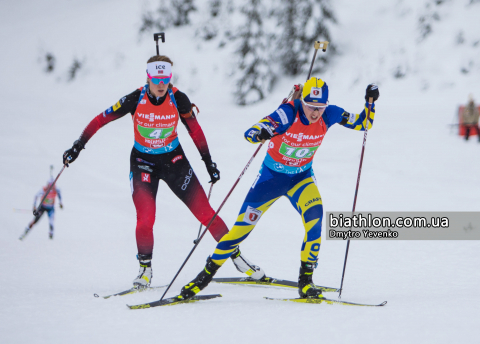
[160,58]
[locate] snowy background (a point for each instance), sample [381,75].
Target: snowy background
[413,162]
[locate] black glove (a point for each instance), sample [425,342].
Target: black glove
[71,154]
[213,172]
[265,134]
[372,91]
[212,169]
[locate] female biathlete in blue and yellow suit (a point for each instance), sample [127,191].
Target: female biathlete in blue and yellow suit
[295,130]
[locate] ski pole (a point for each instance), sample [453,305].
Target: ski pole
[200,229]
[35,211]
[370,102]
[213,218]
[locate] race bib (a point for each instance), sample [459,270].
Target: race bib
[297,152]
[155,133]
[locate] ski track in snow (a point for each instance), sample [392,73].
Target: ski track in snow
[413,162]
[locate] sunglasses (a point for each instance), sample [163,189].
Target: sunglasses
[157,81]
[313,107]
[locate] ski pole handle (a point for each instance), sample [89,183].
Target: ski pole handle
[156,36]
[323,45]
[317,45]
[35,211]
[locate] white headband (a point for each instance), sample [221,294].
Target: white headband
[159,69]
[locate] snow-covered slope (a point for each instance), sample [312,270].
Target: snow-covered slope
[412,162]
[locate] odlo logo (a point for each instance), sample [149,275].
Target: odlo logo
[187,179]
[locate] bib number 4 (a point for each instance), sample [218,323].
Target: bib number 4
[156,134]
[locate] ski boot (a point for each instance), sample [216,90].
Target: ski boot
[306,288]
[144,277]
[201,281]
[245,266]
[50,234]
[27,229]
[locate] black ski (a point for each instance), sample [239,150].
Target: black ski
[328,301]
[174,301]
[266,281]
[132,290]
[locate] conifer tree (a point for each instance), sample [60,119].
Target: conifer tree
[255,76]
[169,13]
[301,23]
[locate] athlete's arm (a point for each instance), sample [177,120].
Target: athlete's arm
[59,195]
[277,122]
[188,118]
[127,104]
[334,114]
[37,195]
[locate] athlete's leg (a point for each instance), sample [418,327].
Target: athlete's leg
[306,198]
[183,182]
[40,210]
[467,131]
[267,188]
[51,220]
[144,185]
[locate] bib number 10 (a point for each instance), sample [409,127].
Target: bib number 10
[297,152]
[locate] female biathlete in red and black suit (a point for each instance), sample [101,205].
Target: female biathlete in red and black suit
[157,154]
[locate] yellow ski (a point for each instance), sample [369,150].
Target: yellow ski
[328,301]
[266,281]
[174,301]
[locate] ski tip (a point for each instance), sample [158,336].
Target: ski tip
[383,303]
[142,306]
[96,295]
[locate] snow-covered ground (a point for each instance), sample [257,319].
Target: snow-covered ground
[412,162]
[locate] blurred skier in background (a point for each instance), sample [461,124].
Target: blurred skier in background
[157,154]
[48,206]
[470,118]
[295,130]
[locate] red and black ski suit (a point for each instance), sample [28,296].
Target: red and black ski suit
[157,154]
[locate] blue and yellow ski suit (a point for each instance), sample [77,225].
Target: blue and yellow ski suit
[287,171]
